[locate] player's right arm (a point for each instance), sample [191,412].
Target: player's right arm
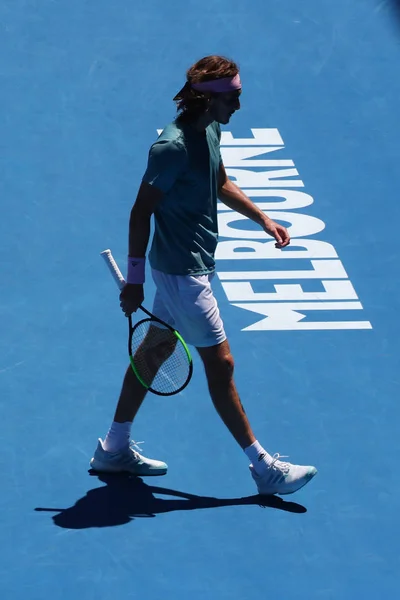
[146,203]
[166,161]
[148,197]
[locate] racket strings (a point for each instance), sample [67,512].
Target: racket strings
[159,357]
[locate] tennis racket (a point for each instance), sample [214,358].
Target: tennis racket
[158,354]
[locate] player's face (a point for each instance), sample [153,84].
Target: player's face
[222,106]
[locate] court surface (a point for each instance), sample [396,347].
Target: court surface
[84,88]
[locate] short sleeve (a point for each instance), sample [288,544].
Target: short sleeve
[167,160]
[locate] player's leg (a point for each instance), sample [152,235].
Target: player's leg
[130,399]
[154,350]
[270,474]
[204,326]
[116,452]
[219,366]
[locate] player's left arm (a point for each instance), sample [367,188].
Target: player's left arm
[231,195]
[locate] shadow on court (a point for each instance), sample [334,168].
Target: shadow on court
[125,498]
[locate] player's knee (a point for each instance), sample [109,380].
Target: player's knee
[221,368]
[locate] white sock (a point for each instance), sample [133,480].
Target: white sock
[118,436]
[259,457]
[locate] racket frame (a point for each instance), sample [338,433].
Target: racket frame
[154,319]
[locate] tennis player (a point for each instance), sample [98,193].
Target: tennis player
[184,178]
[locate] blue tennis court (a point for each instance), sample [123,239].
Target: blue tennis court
[314,330]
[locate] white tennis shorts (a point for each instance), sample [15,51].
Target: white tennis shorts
[187,303]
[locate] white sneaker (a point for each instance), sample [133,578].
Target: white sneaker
[126,460]
[282,477]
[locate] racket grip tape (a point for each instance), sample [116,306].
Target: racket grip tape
[113,267]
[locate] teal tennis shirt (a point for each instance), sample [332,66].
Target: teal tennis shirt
[184,164]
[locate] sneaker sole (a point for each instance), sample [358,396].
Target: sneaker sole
[100,468]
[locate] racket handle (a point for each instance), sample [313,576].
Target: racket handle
[114,270]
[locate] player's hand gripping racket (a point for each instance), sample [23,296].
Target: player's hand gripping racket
[158,354]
